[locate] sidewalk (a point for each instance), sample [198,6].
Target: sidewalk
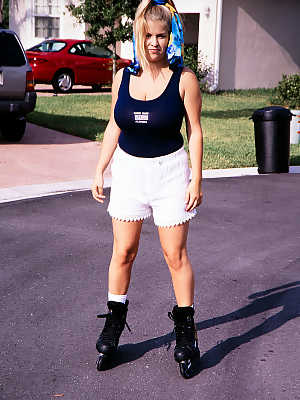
[48,162]
[45,90]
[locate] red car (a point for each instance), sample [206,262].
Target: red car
[68,62]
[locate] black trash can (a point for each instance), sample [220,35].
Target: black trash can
[272,139]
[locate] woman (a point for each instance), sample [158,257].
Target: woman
[150,173]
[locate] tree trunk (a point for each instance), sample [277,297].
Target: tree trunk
[1,11]
[114,60]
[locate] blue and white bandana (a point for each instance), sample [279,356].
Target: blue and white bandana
[175,45]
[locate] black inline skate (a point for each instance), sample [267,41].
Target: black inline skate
[108,341]
[186,351]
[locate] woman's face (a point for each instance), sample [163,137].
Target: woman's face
[156,41]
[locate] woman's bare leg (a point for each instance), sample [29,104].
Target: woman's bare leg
[126,243]
[173,243]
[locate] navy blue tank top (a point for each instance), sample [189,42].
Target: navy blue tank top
[150,128]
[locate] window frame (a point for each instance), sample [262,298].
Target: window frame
[49,9]
[45,11]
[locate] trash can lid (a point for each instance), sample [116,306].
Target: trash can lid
[272,113]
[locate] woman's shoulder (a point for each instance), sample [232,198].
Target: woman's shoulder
[188,79]
[189,82]
[119,75]
[117,80]
[188,76]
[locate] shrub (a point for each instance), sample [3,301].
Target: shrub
[287,92]
[197,63]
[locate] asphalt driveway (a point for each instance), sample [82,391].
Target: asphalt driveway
[244,246]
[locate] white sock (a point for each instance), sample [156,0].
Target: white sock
[186,306]
[120,298]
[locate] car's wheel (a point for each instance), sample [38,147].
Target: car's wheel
[63,81]
[97,88]
[13,129]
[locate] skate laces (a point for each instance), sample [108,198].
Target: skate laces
[110,323]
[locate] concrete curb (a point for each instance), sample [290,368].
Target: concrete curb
[33,191]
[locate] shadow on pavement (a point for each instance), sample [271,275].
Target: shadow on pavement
[264,301]
[289,299]
[89,126]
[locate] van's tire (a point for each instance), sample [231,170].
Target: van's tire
[13,129]
[63,81]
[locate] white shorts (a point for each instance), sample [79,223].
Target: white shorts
[142,187]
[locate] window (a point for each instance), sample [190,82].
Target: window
[46,7]
[46,27]
[11,54]
[77,49]
[89,50]
[48,46]
[95,51]
[46,18]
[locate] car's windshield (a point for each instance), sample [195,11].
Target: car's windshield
[90,50]
[11,54]
[48,46]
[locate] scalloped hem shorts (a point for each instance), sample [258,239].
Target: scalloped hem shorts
[156,186]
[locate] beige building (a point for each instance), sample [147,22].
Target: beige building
[36,20]
[259,42]
[250,43]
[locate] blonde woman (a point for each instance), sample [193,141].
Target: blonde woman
[150,172]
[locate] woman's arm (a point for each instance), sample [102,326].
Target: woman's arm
[192,103]
[109,143]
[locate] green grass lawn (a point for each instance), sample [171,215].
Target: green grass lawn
[228,132]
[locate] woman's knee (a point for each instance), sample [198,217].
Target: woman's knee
[176,258]
[124,255]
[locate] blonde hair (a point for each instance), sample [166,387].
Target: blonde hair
[147,10]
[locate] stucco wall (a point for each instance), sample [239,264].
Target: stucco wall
[21,20]
[259,42]
[70,28]
[188,6]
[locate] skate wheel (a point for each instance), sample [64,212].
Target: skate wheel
[186,369]
[101,362]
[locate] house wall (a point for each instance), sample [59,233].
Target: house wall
[22,21]
[258,42]
[189,6]
[69,27]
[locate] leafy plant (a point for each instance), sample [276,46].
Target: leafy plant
[287,92]
[197,63]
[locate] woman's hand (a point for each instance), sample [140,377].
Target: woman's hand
[97,188]
[193,196]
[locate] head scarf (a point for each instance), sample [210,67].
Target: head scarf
[175,45]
